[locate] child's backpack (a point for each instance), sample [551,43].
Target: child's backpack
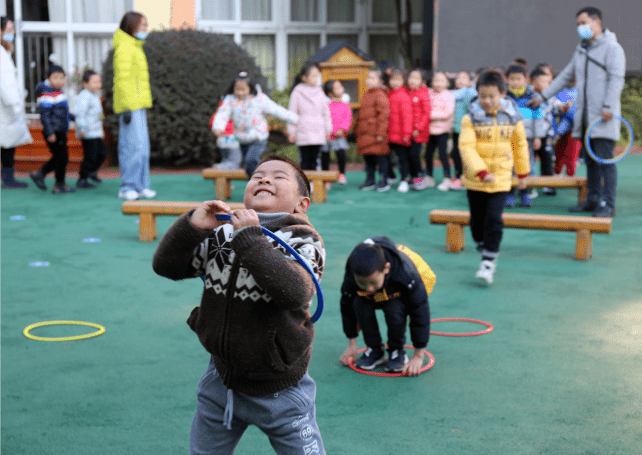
[427,275]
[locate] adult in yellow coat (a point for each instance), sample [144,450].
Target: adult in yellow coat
[132,98]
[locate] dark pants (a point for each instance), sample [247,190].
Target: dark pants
[59,160]
[395,314]
[545,153]
[596,172]
[252,152]
[309,154]
[341,160]
[374,161]
[415,159]
[486,222]
[456,156]
[7,157]
[440,141]
[94,154]
[403,155]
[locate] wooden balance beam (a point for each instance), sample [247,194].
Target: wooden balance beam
[223,177]
[148,210]
[584,226]
[552,181]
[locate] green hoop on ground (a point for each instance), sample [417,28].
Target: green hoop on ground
[615,159]
[29,328]
[428,366]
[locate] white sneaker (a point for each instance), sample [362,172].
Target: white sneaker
[533,193]
[403,187]
[429,182]
[444,185]
[486,271]
[147,193]
[130,195]
[419,185]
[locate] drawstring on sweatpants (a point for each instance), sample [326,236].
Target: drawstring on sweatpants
[228,415]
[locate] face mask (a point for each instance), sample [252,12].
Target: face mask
[8,37]
[585,31]
[140,35]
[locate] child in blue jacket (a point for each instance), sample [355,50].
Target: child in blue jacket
[54,116]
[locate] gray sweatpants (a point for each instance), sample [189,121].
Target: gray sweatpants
[288,418]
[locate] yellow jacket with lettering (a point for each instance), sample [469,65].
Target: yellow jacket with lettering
[494,143]
[131,75]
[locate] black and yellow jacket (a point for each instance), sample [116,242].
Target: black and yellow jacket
[410,279]
[493,143]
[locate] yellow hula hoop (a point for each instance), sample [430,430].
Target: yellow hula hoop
[29,328]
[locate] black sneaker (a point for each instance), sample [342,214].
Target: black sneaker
[605,212]
[94,176]
[64,188]
[586,206]
[398,359]
[39,180]
[83,183]
[371,359]
[367,186]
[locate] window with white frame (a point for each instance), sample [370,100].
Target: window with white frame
[218,10]
[384,11]
[300,48]
[261,47]
[304,10]
[256,10]
[340,11]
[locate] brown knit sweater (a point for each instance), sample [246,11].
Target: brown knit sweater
[254,315]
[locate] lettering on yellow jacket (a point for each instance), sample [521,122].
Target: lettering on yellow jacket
[494,143]
[131,74]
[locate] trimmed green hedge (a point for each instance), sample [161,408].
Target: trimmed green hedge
[189,71]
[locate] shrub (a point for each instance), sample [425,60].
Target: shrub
[631,107]
[189,71]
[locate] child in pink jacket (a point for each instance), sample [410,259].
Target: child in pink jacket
[311,105]
[341,115]
[442,120]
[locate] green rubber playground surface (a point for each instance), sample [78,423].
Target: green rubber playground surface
[560,374]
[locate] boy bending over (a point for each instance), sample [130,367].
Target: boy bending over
[382,275]
[254,315]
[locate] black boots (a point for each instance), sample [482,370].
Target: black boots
[8,180]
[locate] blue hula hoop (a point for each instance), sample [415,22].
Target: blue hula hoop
[617,159]
[317,313]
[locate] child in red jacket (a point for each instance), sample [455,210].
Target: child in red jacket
[420,101]
[400,124]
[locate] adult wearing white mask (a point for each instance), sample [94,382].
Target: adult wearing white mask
[13,127]
[132,98]
[598,67]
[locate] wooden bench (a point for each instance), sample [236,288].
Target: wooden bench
[223,177]
[455,220]
[148,210]
[552,181]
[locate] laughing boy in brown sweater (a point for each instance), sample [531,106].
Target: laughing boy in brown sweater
[254,316]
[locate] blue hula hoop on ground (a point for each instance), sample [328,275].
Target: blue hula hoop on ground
[289,249]
[620,157]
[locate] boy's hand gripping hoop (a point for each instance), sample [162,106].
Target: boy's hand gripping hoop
[317,313]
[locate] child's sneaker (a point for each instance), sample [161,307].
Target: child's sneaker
[342,179]
[455,184]
[382,187]
[533,193]
[84,183]
[392,180]
[486,271]
[419,185]
[39,180]
[526,201]
[444,185]
[429,181]
[510,201]
[94,176]
[549,191]
[403,187]
[328,185]
[371,359]
[62,189]
[147,193]
[367,186]
[130,195]
[398,359]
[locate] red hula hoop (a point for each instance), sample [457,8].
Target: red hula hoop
[428,366]
[489,328]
